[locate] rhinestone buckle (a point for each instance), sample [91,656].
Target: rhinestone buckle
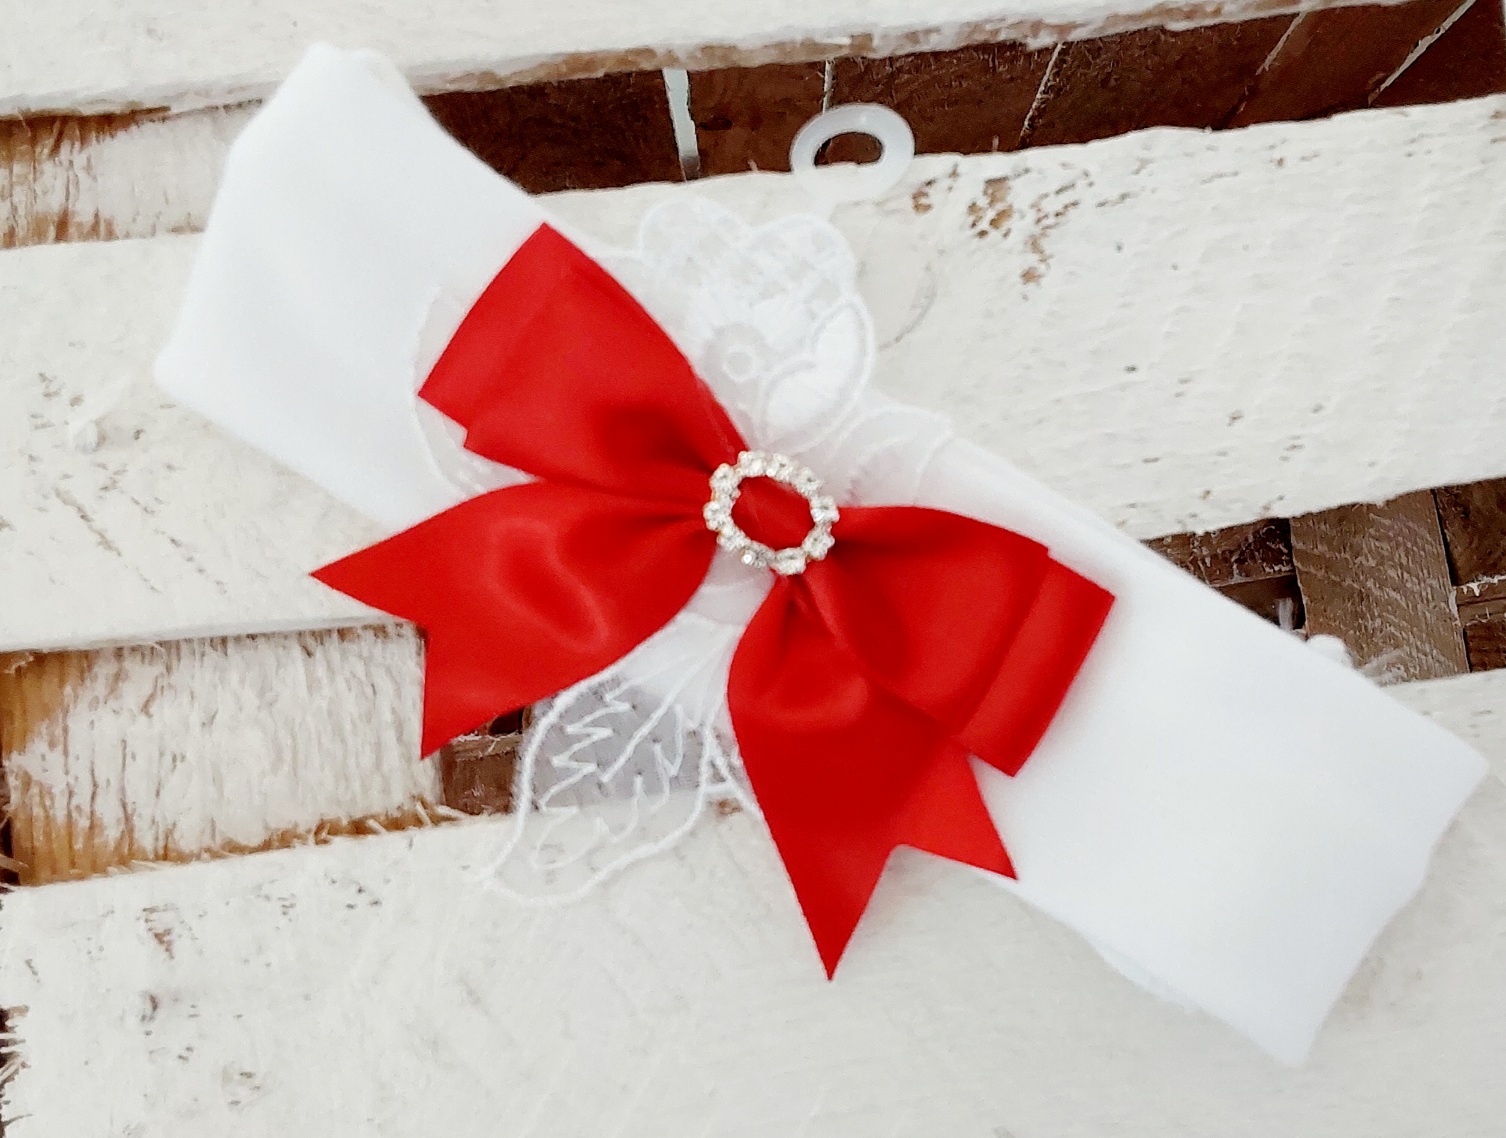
[726,486]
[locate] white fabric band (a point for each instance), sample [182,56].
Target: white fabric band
[1157,817]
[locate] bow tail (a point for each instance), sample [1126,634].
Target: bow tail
[843,771]
[527,590]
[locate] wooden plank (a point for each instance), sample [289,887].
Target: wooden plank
[158,53]
[1100,88]
[40,697]
[1250,564]
[55,701]
[476,771]
[1467,61]
[1276,599]
[746,117]
[962,102]
[582,134]
[1377,577]
[64,178]
[1474,526]
[177,751]
[987,274]
[1484,623]
[1340,60]
[1256,551]
[294,991]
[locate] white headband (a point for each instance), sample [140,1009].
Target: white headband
[1156,817]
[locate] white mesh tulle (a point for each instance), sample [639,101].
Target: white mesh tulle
[621,765]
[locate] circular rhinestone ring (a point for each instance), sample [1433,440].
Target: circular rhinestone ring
[726,485]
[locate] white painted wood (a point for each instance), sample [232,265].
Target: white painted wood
[80,55]
[100,178]
[375,987]
[1180,330]
[172,751]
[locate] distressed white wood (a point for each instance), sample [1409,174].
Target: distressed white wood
[173,751]
[131,176]
[80,55]
[374,987]
[1181,330]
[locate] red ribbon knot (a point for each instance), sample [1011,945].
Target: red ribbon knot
[861,685]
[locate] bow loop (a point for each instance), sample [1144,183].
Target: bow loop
[525,590]
[970,623]
[557,371]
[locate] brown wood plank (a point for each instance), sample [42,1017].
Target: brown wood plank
[1250,564]
[42,845]
[971,101]
[1474,527]
[1254,552]
[1099,88]
[1484,625]
[476,772]
[1467,61]
[580,134]
[1338,60]
[74,821]
[746,117]
[38,209]
[1276,599]
[1377,577]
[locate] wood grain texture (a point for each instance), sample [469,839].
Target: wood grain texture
[190,749]
[1377,577]
[746,118]
[65,178]
[1340,60]
[312,990]
[1474,526]
[583,134]
[1256,551]
[476,771]
[1484,623]
[970,101]
[1100,88]
[1250,564]
[1053,303]
[1467,61]
[155,53]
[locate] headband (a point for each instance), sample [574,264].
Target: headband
[725,568]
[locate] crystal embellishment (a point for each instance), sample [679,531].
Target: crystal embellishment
[726,486]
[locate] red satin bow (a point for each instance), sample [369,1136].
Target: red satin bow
[859,688]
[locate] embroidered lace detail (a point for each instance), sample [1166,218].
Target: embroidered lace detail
[621,766]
